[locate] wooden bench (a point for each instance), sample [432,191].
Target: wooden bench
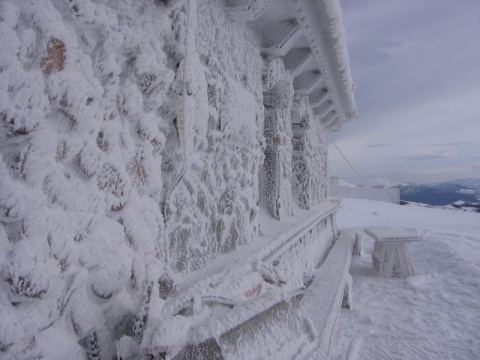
[299,325]
[329,291]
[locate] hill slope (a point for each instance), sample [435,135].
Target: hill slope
[446,193]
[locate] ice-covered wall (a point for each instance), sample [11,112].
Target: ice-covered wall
[319,162]
[276,174]
[214,207]
[309,157]
[87,108]
[126,149]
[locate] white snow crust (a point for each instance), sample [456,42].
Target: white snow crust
[432,315]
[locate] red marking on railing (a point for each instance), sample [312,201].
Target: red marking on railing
[254,291]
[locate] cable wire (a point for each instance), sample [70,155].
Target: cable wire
[348,162]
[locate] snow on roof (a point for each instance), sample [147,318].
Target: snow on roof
[322,22]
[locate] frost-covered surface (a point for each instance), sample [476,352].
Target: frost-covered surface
[387,233]
[310,173]
[432,315]
[132,178]
[213,205]
[245,289]
[85,93]
[246,10]
[325,296]
[322,24]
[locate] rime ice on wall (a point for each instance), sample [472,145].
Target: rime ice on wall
[319,183]
[214,208]
[309,156]
[276,175]
[302,147]
[85,109]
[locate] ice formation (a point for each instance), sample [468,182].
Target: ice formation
[141,142]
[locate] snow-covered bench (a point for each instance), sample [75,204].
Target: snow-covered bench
[295,325]
[329,291]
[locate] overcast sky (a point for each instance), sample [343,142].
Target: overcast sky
[417,66]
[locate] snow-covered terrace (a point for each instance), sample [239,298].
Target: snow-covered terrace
[309,36]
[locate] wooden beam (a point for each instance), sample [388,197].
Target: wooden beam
[297,59]
[278,37]
[306,82]
[328,118]
[317,97]
[324,108]
[246,10]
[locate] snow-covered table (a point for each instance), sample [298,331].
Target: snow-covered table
[390,253]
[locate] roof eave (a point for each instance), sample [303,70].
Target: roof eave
[322,24]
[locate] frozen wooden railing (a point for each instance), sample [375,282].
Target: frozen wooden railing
[249,256]
[258,299]
[292,326]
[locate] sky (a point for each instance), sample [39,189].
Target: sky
[416,64]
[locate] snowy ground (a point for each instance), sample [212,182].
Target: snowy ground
[432,315]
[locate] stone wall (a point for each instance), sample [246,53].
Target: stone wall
[214,207]
[87,101]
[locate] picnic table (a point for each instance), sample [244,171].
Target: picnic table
[390,256]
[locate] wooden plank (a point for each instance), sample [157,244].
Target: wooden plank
[324,297]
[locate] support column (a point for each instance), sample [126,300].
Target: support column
[277,99]
[301,153]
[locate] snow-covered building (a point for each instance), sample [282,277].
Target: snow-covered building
[163,174]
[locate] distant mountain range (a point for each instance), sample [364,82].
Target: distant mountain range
[460,194]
